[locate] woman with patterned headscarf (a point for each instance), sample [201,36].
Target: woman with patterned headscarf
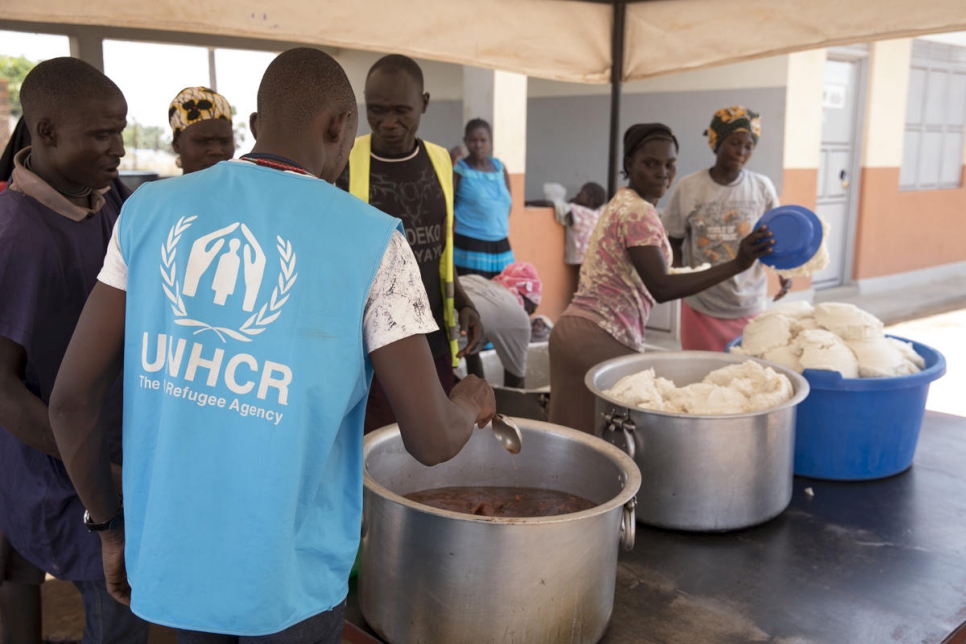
[625,273]
[202,130]
[707,215]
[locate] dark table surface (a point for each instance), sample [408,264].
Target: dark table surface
[863,562]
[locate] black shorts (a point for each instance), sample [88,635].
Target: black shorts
[324,628]
[14,568]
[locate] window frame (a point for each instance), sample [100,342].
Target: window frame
[929,58]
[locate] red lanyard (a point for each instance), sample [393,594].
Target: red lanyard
[278,165]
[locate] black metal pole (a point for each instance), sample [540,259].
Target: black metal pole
[616,76]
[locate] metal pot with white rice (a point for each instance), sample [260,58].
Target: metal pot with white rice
[712,433]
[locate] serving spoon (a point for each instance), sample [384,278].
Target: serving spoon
[507,432]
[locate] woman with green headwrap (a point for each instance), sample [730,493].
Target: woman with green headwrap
[707,215]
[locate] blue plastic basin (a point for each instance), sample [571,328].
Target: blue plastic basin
[858,429]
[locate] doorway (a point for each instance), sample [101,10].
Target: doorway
[838,172]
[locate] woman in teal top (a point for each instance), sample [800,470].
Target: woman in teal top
[482,206]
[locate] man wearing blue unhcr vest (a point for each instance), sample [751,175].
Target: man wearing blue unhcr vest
[250,304]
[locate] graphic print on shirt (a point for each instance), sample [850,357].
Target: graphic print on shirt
[718,242]
[225,277]
[223,289]
[413,199]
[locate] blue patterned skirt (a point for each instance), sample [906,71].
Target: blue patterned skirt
[478,257]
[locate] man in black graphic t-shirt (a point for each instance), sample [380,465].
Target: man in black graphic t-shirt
[407,188]
[404,183]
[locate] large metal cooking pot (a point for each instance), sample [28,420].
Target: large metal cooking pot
[533,401]
[433,576]
[701,473]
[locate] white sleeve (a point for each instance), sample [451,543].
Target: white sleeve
[114,271]
[398,306]
[771,195]
[674,216]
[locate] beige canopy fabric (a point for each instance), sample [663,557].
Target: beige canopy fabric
[568,40]
[664,36]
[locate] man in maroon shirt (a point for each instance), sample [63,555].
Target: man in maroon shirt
[56,218]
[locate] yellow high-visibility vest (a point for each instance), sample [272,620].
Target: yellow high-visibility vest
[359,160]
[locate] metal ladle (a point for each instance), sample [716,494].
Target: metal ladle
[507,432]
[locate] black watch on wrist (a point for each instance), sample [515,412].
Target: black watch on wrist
[116,522]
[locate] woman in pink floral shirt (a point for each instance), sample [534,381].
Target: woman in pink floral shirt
[625,273]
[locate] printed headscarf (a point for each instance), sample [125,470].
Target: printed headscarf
[522,280]
[195,104]
[729,120]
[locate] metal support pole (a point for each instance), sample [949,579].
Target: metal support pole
[212,73]
[616,76]
[87,44]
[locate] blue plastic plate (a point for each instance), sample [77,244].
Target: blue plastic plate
[797,233]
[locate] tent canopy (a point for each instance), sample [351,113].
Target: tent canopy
[584,41]
[566,40]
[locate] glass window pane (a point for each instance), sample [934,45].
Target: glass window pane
[917,88]
[929,159]
[151,75]
[838,101]
[34,48]
[936,97]
[239,72]
[956,106]
[909,173]
[952,168]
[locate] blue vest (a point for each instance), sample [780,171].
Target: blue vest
[245,388]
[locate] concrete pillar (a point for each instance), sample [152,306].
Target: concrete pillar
[803,109]
[212,71]
[88,45]
[501,99]
[477,93]
[885,115]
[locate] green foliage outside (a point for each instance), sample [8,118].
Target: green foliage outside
[146,137]
[15,69]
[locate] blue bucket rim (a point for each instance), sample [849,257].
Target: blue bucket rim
[833,380]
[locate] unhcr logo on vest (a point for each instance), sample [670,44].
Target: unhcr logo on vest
[226,267]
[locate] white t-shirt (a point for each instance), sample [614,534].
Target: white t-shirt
[712,219]
[397,306]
